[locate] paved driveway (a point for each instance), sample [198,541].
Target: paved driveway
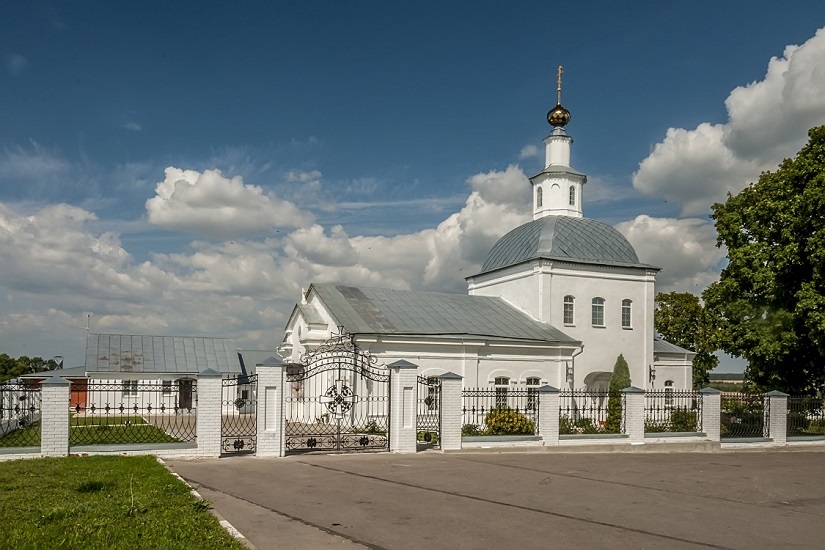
[521,500]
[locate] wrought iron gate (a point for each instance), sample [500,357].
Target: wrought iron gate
[338,400]
[239,426]
[428,416]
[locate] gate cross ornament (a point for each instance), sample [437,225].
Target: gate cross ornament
[339,399]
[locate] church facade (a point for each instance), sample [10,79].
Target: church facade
[556,301]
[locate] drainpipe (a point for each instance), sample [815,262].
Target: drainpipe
[573,360]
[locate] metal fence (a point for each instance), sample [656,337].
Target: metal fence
[806,416]
[133,412]
[673,411]
[591,412]
[744,415]
[19,415]
[499,411]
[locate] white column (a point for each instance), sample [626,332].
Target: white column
[711,413]
[777,420]
[403,406]
[451,416]
[209,413]
[634,420]
[549,414]
[54,417]
[271,380]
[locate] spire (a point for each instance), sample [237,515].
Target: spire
[558,116]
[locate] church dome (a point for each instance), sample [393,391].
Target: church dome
[558,116]
[563,238]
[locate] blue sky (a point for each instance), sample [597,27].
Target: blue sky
[381,135]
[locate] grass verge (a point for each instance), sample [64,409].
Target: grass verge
[102,503]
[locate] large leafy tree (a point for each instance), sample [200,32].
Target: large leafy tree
[682,320]
[11,367]
[770,299]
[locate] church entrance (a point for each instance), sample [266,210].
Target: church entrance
[338,400]
[428,417]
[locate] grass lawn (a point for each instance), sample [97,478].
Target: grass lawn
[84,431]
[102,503]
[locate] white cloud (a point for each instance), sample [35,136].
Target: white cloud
[133,126]
[767,122]
[210,204]
[302,176]
[528,151]
[684,248]
[35,162]
[15,63]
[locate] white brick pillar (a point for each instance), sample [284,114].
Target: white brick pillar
[271,380]
[451,407]
[777,421]
[54,417]
[210,400]
[634,414]
[403,406]
[549,414]
[711,413]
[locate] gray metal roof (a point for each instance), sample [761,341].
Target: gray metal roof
[663,346]
[252,357]
[71,372]
[404,312]
[160,354]
[581,240]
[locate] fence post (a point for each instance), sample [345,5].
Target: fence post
[777,420]
[451,403]
[634,419]
[711,413]
[270,419]
[403,406]
[54,417]
[209,413]
[549,414]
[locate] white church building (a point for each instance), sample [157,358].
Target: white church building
[556,301]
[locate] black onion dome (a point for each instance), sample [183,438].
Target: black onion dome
[565,238]
[558,116]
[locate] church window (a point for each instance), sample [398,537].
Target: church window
[502,385]
[538,197]
[532,394]
[572,195]
[669,392]
[129,387]
[598,312]
[569,303]
[626,310]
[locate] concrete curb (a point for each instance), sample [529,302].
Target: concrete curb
[237,535]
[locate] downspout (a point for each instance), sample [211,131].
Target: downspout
[573,360]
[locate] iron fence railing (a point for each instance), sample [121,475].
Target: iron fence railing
[19,415]
[744,415]
[499,411]
[806,416]
[132,412]
[673,411]
[591,412]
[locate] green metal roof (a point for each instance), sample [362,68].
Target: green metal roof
[404,312]
[566,238]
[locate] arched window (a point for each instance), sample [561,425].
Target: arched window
[502,384]
[569,308]
[669,392]
[532,384]
[598,312]
[626,310]
[538,197]
[572,195]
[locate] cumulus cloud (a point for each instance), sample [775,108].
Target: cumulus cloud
[207,203]
[767,122]
[685,249]
[15,63]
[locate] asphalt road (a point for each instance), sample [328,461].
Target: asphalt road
[752,500]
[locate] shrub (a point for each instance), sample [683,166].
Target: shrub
[619,381]
[569,426]
[469,430]
[683,420]
[506,421]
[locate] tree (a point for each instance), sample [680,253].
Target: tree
[12,368]
[770,299]
[680,318]
[619,381]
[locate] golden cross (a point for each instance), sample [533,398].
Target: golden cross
[558,85]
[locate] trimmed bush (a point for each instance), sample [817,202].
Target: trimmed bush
[470,430]
[506,421]
[619,381]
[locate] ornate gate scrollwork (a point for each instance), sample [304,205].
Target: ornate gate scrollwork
[428,415]
[338,400]
[239,428]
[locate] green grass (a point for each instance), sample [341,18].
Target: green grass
[95,431]
[102,503]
